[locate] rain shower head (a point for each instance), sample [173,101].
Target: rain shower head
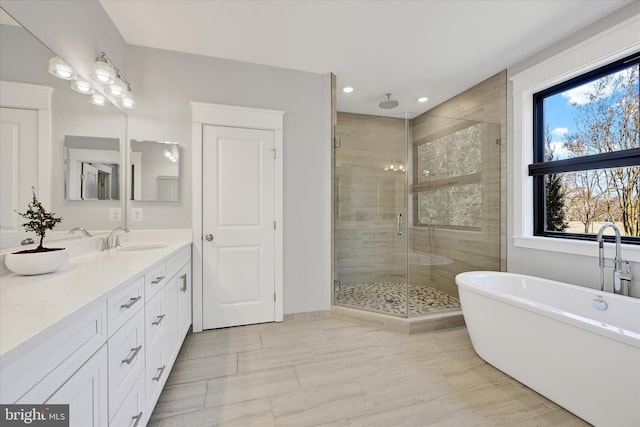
[389,103]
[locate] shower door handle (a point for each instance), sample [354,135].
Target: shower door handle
[399,224]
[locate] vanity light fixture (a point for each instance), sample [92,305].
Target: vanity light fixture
[395,166]
[115,83]
[59,69]
[169,155]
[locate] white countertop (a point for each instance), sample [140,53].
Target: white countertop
[31,304]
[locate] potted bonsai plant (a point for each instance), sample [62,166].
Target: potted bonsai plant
[40,260]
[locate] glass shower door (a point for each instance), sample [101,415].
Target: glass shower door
[370,179]
[455,194]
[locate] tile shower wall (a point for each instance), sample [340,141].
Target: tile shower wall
[480,246]
[368,197]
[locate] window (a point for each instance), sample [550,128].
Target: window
[586,153]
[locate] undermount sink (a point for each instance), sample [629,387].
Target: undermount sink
[137,247]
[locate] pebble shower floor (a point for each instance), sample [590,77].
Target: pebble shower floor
[390,297]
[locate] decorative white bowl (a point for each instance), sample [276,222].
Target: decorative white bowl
[30,264]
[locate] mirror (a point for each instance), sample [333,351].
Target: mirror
[60,120]
[155,171]
[92,168]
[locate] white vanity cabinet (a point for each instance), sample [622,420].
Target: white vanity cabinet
[109,357]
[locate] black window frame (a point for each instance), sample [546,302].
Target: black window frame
[539,168]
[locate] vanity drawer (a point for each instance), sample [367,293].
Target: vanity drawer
[124,304]
[156,321]
[126,360]
[154,280]
[133,411]
[177,261]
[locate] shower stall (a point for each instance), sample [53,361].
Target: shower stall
[416,201]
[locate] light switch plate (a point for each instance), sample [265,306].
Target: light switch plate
[115,214]
[136,214]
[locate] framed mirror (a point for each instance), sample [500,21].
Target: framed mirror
[92,168]
[154,171]
[46,111]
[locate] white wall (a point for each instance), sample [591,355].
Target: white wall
[166,82]
[577,262]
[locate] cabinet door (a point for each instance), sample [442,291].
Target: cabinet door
[157,320]
[184,301]
[156,373]
[85,392]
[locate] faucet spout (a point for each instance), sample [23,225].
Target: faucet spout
[113,240]
[618,275]
[82,230]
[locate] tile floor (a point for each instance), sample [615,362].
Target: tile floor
[334,371]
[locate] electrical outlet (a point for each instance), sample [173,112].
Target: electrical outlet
[136,214]
[115,214]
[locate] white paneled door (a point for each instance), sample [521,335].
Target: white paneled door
[18,170]
[238,225]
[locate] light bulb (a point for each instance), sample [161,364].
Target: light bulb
[97,99]
[58,68]
[103,72]
[82,86]
[118,87]
[127,100]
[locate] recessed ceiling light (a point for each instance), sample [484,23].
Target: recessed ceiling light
[347,89]
[423,99]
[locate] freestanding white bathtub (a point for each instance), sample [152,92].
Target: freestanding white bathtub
[577,346]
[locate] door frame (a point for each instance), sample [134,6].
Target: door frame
[239,117]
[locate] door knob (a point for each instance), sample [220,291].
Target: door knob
[209,237]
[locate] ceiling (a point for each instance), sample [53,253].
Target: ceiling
[409,48]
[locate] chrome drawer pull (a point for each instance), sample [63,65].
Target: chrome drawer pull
[158,319]
[131,302]
[133,356]
[137,418]
[160,372]
[158,280]
[184,282]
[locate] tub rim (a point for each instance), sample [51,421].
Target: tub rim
[606,330]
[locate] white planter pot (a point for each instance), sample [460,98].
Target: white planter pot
[30,264]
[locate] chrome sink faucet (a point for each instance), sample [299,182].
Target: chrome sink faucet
[82,230]
[113,240]
[621,279]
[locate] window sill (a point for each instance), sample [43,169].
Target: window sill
[575,247]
